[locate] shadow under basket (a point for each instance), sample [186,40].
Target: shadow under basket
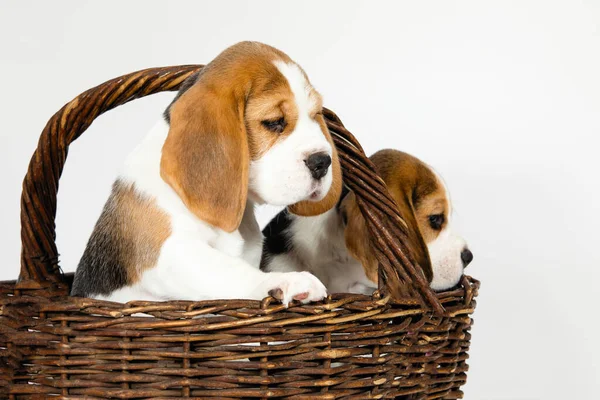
[412,345]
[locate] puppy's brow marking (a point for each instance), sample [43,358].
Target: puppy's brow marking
[299,86]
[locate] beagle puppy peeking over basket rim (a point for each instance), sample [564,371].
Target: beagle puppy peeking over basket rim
[179,224]
[335,246]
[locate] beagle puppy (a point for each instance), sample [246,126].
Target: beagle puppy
[335,246]
[247,129]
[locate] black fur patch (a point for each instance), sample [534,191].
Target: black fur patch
[100,270]
[188,83]
[277,237]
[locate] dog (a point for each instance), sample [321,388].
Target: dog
[335,246]
[247,129]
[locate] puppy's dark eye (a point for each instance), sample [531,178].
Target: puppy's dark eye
[436,221]
[275,125]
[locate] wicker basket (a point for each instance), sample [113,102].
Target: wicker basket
[346,347]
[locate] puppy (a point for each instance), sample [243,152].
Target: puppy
[247,129]
[335,246]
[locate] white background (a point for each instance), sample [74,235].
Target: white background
[503,98]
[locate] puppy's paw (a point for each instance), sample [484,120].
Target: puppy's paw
[301,286]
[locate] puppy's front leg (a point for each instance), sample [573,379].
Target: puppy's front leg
[192,270]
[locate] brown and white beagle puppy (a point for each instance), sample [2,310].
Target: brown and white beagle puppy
[335,246]
[247,129]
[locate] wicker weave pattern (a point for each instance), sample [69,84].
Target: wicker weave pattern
[405,340]
[351,347]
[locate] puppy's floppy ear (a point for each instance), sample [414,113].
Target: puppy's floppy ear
[310,208]
[205,158]
[185,85]
[416,242]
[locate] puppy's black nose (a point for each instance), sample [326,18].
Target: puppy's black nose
[317,164]
[466,256]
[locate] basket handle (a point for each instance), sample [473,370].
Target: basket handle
[39,256]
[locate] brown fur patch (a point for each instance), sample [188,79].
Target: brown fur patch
[272,105]
[432,204]
[126,240]
[141,227]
